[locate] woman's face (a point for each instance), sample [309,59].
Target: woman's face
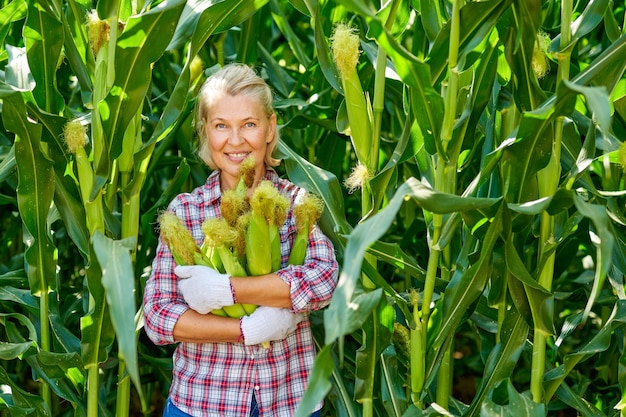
[237,127]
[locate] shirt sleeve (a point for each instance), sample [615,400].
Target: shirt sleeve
[312,283]
[162,305]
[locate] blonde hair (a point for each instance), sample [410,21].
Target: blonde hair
[233,79]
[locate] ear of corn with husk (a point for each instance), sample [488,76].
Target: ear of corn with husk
[182,244]
[307,212]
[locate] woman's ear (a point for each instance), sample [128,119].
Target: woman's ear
[272,132]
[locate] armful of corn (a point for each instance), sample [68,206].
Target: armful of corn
[245,241]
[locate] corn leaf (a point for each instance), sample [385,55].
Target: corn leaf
[114,257]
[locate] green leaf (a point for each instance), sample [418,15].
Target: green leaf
[297,45]
[43,35]
[589,19]
[539,300]
[519,405]
[375,227]
[202,18]
[502,359]
[12,12]
[322,183]
[598,215]
[114,258]
[34,194]
[462,292]
[319,383]
[143,41]
[24,403]
[63,372]
[599,343]
[18,75]
[517,29]
[477,19]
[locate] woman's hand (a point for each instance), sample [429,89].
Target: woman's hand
[203,288]
[269,323]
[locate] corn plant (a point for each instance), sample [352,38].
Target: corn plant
[81,155]
[470,158]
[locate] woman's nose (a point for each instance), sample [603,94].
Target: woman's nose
[236,137]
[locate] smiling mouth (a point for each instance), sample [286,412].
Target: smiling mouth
[238,155]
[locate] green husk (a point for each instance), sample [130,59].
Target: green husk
[306,212]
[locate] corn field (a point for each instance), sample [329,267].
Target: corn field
[470,155]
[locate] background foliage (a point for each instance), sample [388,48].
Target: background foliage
[483,255]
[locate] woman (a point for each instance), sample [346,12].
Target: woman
[220,368]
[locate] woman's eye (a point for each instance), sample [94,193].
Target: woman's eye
[220,126]
[250,124]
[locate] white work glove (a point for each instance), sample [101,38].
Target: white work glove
[268,323]
[203,288]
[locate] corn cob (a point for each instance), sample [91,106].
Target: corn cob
[306,212]
[182,244]
[258,252]
[219,236]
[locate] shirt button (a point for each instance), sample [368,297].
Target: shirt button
[256,388]
[252,357]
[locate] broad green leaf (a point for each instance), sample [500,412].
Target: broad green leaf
[322,47]
[35,191]
[63,372]
[603,239]
[141,43]
[426,103]
[539,300]
[18,76]
[462,292]
[24,403]
[77,49]
[519,405]
[518,31]
[392,384]
[202,18]
[573,399]
[296,44]
[375,227]
[31,333]
[597,100]
[23,297]
[477,19]
[319,383]
[43,35]
[599,343]
[430,14]
[376,336]
[97,331]
[502,359]
[589,19]
[320,182]
[12,12]
[114,257]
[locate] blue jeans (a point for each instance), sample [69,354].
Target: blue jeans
[172,411]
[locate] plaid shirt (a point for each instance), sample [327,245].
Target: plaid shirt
[218,379]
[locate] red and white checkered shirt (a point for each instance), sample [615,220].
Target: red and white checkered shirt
[218,379]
